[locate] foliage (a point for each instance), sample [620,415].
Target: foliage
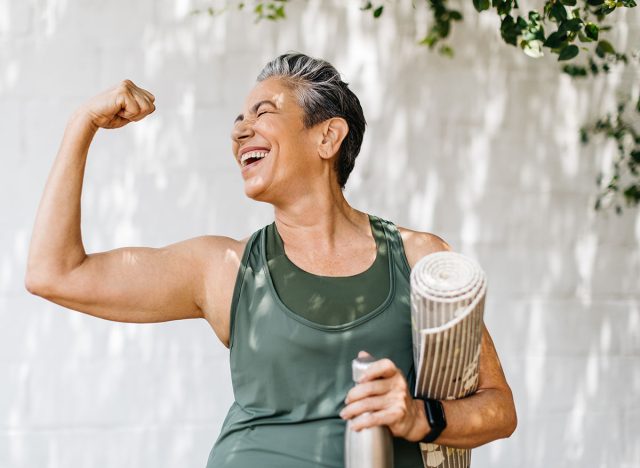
[270,10]
[574,26]
[623,183]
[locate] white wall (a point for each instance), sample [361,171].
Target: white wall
[482,150]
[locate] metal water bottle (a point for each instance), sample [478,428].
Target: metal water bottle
[371,447]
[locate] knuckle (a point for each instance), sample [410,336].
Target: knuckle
[388,364]
[399,413]
[402,386]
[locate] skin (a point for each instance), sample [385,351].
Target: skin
[195,278]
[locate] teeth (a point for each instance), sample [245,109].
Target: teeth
[253,154]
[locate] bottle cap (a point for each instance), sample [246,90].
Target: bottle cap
[360,365]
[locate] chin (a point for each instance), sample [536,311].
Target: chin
[255,189]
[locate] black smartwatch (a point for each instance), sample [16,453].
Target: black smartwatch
[435,416]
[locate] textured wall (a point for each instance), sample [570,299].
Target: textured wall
[482,150]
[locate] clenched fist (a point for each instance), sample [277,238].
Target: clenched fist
[117,106]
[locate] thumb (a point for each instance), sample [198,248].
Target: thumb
[362,354]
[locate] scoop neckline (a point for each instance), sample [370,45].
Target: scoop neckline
[358,275]
[343,326]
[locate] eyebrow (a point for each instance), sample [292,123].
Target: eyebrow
[255,108]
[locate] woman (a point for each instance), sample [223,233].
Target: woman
[295,301]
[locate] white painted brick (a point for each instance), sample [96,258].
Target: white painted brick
[17,18]
[564,327]
[477,150]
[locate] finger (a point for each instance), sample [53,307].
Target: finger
[382,368]
[384,417]
[148,94]
[367,389]
[145,105]
[356,408]
[129,107]
[363,354]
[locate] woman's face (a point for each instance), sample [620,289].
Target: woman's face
[271,123]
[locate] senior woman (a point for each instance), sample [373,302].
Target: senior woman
[295,301]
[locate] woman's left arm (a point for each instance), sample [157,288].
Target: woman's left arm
[486,415]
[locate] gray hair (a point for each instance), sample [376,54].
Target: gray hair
[322,95]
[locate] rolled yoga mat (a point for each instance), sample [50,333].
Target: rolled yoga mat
[447,307]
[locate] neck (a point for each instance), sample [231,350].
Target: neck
[320,222]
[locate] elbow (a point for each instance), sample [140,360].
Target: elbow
[511,418]
[36,284]
[512,425]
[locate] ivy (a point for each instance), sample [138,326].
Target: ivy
[621,187]
[570,29]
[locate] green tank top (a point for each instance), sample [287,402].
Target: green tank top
[329,300]
[290,374]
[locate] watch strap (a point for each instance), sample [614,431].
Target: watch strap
[435,417]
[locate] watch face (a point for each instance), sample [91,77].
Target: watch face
[436,414]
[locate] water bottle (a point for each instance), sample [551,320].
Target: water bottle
[371,447]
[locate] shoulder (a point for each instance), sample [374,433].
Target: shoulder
[220,258]
[417,244]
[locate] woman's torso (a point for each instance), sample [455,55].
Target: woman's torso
[290,374]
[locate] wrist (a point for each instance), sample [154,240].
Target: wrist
[83,119]
[420,428]
[435,419]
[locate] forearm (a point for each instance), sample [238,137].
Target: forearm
[487,415]
[56,242]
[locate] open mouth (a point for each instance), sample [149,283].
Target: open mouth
[252,158]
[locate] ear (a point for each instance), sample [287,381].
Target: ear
[334,130]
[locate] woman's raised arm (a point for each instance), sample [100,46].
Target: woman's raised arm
[131,284]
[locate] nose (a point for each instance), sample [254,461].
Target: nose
[241,131]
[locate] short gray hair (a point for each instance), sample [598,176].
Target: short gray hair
[322,94]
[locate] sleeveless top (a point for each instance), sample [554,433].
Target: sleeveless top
[329,300]
[290,375]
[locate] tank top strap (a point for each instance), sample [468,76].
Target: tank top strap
[397,247]
[247,262]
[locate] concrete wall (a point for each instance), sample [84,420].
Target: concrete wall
[482,150]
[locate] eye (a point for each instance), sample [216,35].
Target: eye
[262,112]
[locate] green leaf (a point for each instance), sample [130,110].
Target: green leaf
[508,30]
[632,194]
[504,8]
[455,15]
[584,137]
[583,38]
[555,40]
[591,30]
[568,52]
[558,12]
[446,51]
[378,11]
[574,24]
[568,2]
[575,70]
[368,6]
[481,5]
[603,48]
